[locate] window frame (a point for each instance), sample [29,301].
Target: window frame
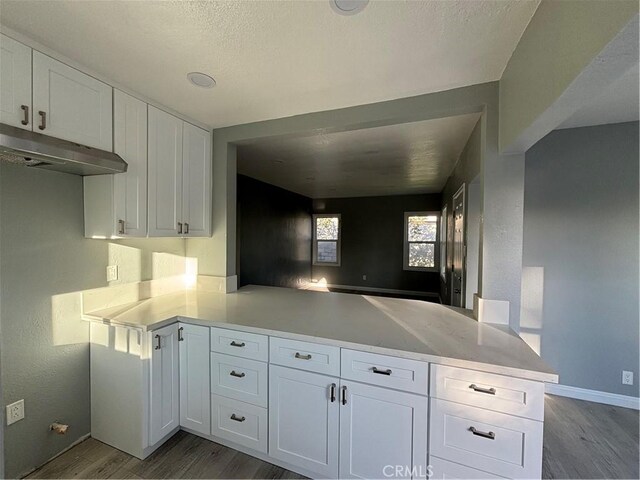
[442,234]
[338,241]
[436,242]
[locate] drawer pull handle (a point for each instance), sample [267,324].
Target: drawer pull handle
[180,337]
[236,418]
[489,435]
[236,344]
[158,345]
[381,372]
[332,392]
[344,395]
[25,109]
[236,374]
[43,120]
[475,388]
[303,357]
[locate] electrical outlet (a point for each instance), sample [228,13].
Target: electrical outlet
[15,412]
[627,377]
[112,273]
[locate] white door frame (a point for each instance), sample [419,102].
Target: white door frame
[460,191]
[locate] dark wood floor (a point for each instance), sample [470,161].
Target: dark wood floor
[581,440]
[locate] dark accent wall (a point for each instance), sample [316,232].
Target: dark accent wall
[274,235]
[372,242]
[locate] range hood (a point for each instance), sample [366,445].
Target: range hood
[33,149]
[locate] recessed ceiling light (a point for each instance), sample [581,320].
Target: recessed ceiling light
[348,7]
[201,80]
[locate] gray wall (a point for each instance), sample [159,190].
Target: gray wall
[580,260]
[45,351]
[372,242]
[274,235]
[466,170]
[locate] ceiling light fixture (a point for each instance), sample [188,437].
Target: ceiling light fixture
[201,80]
[348,7]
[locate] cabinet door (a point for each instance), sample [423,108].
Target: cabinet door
[130,188]
[195,395]
[303,420]
[382,430]
[15,83]
[165,174]
[196,181]
[71,105]
[164,408]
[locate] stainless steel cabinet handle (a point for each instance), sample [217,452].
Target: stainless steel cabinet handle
[186,228]
[332,392]
[43,120]
[489,391]
[179,227]
[381,372]
[120,227]
[489,435]
[344,394]
[236,418]
[25,109]
[158,346]
[236,344]
[236,374]
[180,337]
[303,357]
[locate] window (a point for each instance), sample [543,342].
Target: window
[326,240]
[443,243]
[420,240]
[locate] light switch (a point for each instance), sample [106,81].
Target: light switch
[112,273]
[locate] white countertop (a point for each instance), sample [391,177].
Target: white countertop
[404,328]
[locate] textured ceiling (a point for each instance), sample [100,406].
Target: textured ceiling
[398,159]
[619,102]
[277,59]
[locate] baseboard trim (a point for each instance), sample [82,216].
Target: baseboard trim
[69,447]
[416,293]
[593,396]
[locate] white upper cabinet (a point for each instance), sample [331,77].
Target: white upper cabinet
[179,177]
[116,205]
[165,174]
[196,181]
[71,105]
[15,83]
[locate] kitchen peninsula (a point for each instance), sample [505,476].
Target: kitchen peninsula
[294,377]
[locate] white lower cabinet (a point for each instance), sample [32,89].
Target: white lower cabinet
[444,470]
[239,422]
[164,376]
[303,420]
[195,398]
[383,432]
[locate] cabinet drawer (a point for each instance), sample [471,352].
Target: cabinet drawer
[239,422]
[487,390]
[305,356]
[390,372]
[240,344]
[445,470]
[239,378]
[493,442]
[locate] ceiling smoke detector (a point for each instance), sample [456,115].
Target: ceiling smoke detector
[348,7]
[201,80]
